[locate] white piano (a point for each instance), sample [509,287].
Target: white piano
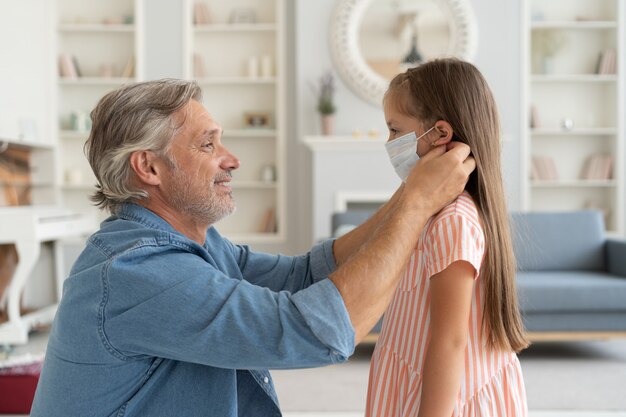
[27,227]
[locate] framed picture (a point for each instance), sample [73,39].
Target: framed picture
[256,120]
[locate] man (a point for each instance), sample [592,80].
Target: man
[161,316]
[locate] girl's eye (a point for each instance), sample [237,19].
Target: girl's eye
[393,131]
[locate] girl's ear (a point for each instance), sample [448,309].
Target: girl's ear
[444,133]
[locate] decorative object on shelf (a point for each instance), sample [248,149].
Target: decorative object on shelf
[373,133]
[80,121]
[256,120]
[267,66]
[67,66]
[356,133]
[242,15]
[567,124]
[198,66]
[598,167]
[325,102]
[548,43]
[73,176]
[129,69]
[269,224]
[534,117]
[252,67]
[268,173]
[201,14]
[107,70]
[607,62]
[113,20]
[543,169]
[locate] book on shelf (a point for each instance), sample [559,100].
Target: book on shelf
[269,221]
[598,167]
[607,62]
[129,69]
[201,15]
[198,66]
[543,168]
[534,117]
[67,66]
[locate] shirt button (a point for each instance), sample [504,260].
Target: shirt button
[266,380]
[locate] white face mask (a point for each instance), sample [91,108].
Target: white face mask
[403,153]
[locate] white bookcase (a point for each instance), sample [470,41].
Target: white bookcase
[237,55]
[105,39]
[573,106]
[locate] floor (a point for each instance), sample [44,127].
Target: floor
[565,379]
[575,376]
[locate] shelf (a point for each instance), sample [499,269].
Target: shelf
[96,27]
[574,24]
[95,81]
[574,184]
[78,187]
[24,143]
[597,131]
[235,27]
[74,134]
[26,184]
[574,78]
[236,80]
[249,133]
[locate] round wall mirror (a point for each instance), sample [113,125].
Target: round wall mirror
[373,40]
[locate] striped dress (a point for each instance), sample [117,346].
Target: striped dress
[491,383]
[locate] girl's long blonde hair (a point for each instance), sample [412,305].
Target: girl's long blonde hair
[456,92]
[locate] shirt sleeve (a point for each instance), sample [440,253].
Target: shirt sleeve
[453,238]
[173,304]
[286,273]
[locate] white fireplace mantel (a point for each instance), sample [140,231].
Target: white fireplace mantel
[346,169]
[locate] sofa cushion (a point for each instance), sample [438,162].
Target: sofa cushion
[563,291]
[551,241]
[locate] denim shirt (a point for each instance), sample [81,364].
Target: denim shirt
[154,324]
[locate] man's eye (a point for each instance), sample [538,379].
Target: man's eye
[208,145]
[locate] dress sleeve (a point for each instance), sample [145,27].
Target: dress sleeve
[453,238]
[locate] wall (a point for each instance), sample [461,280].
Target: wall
[498,57]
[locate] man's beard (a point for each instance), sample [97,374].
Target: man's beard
[204,204]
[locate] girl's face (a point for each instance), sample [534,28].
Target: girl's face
[400,124]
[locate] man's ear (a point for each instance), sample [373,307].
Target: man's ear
[444,133]
[146,168]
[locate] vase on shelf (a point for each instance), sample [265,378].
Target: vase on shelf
[328,124]
[548,64]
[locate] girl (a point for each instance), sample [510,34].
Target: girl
[448,342]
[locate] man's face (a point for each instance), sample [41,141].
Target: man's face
[200,168]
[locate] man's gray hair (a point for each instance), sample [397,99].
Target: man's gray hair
[135,117]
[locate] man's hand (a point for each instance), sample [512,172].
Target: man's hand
[438,178]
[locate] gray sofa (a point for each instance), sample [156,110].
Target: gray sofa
[571,278]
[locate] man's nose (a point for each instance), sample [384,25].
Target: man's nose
[229,161]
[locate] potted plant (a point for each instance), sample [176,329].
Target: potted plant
[325,103]
[548,43]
